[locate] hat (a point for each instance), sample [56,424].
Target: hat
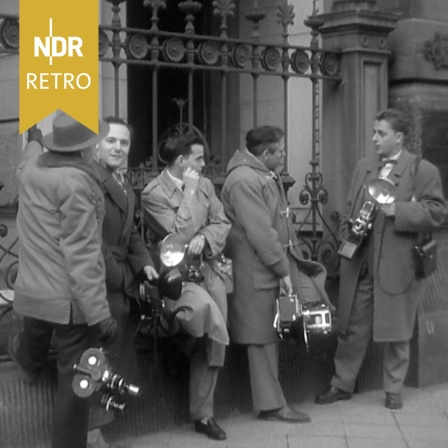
[70,135]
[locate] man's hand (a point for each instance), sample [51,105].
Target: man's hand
[151,273]
[34,133]
[197,244]
[388,210]
[286,285]
[107,331]
[191,180]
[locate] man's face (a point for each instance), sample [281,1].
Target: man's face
[276,159]
[113,150]
[195,160]
[387,141]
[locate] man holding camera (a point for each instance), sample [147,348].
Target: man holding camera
[266,258]
[378,289]
[60,285]
[181,201]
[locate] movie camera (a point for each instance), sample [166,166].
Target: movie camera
[93,374]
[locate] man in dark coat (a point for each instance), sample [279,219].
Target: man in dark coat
[125,254]
[181,201]
[60,286]
[378,288]
[266,256]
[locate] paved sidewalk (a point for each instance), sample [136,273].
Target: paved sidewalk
[362,422]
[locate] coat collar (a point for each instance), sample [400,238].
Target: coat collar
[111,186]
[53,159]
[170,188]
[397,171]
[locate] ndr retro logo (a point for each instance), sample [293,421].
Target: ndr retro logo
[57,47]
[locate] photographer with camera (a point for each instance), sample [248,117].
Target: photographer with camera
[378,288]
[181,201]
[60,286]
[266,258]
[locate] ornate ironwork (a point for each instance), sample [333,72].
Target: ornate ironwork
[285,14]
[314,193]
[103,43]
[436,51]
[173,49]
[300,61]
[255,15]
[240,55]
[158,49]
[270,59]
[190,8]
[9,33]
[208,53]
[136,46]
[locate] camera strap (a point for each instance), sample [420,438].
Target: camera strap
[422,236]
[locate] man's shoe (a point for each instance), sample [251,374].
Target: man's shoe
[211,429]
[393,401]
[284,414]
[332,395]
[25,375]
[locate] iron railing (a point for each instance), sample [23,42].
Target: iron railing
[225,56]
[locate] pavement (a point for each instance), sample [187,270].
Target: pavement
[362,422]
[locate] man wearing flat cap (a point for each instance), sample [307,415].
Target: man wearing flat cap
[60,286]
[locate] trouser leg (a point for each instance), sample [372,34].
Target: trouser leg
[32,352]
[395,365]
[352,345]
[203,379]
[267,392]
[70,415]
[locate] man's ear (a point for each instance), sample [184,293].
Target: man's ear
[400,137]
[180,161]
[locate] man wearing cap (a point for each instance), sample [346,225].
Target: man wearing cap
[60,285]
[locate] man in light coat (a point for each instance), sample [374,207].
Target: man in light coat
[266,256]
[180,201]
[60,286]
[378,288]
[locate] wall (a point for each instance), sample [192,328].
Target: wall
[9,115]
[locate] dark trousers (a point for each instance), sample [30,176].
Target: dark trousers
[34,345]
[70,415]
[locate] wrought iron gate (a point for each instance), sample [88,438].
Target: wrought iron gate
[221,57]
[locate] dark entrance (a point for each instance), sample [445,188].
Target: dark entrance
[172,83]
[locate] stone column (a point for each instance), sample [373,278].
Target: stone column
[360,32]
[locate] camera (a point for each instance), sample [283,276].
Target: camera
[93,374]
[359,230]
[382,191]
[299,321]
